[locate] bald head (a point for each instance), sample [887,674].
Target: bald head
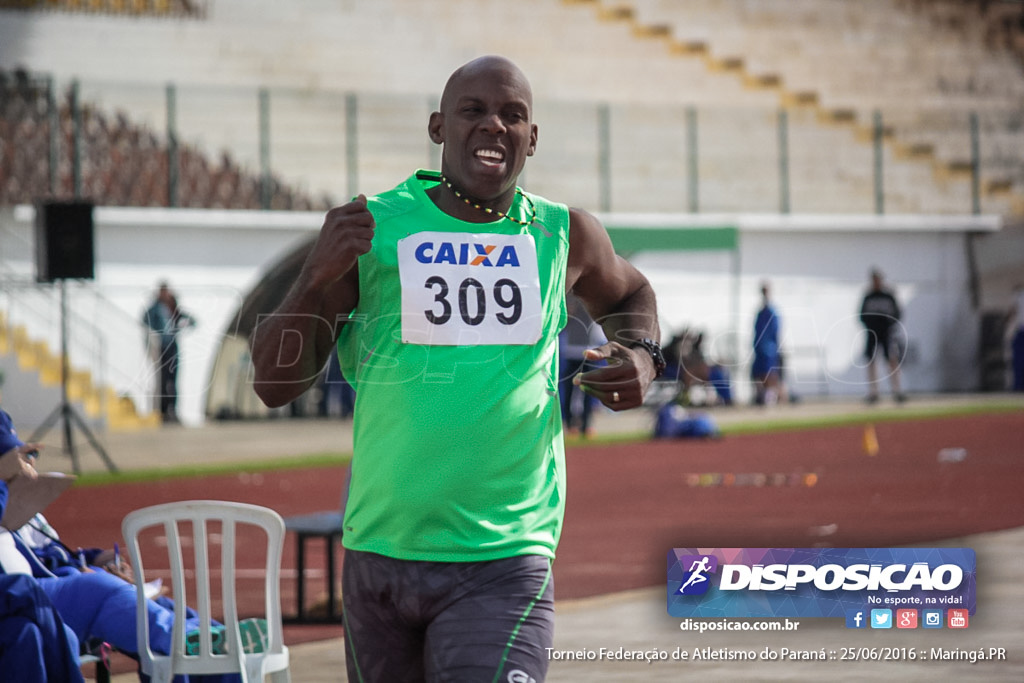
[501,69]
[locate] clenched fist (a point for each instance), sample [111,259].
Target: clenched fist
[347,234]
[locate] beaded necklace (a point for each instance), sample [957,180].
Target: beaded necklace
[499,214]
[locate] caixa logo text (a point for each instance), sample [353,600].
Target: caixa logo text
[831,577]
[467,254]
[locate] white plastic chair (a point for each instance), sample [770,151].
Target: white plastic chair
[173,517]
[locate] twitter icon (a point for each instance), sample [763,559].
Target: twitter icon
[881,618]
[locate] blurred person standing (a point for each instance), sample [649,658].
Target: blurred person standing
[694,370]
[766,370]
[164,321]
[579,334]
[880,315]
[335,389]
[1015,330]
[35,643]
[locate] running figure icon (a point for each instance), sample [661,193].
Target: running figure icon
[697,571]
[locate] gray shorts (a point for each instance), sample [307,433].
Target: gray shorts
[447,621]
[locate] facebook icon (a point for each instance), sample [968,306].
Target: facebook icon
[856,618]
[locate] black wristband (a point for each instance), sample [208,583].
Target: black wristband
[653,348]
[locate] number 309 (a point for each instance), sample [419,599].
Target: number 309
[473,296]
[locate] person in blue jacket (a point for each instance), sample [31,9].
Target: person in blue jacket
[94,598]
[766,368]
[35,643]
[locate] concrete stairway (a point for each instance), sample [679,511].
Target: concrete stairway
[32,373]
[843,60]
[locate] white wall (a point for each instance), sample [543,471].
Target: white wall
[818,270]
[818,267]
[211,259]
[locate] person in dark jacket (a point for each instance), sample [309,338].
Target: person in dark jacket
[880,315]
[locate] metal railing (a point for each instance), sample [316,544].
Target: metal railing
[181,145]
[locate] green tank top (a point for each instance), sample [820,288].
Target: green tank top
[453,352]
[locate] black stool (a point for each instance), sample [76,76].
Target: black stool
[328,526]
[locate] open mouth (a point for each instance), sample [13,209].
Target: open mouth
[490,157]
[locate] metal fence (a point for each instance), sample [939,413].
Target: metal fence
[181,145]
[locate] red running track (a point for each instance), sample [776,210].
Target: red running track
[629,503]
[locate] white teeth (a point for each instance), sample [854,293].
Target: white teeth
[490,154]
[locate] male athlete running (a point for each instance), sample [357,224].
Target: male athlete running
[443,299]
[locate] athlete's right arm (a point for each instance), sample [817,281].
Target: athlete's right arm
[291,345]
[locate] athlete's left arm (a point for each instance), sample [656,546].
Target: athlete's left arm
[621,300]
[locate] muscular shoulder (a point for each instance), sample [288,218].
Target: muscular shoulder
[594,267]
[586,234]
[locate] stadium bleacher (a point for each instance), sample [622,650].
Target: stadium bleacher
[121,163]
[649,67]
[159,8]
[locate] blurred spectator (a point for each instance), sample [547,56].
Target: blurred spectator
[686,352]
[673,421]
[34,641]
[35,644]
[90,589]
[164,321]
[766,370]
[1015,328]
[880,316]
[334,389]
[579,334]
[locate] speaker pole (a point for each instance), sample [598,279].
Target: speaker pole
[65,405]
[65,411]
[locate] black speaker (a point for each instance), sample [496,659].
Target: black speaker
[64,244]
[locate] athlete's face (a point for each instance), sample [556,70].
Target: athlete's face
[486,129]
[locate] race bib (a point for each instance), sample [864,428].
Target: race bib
[463,290]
